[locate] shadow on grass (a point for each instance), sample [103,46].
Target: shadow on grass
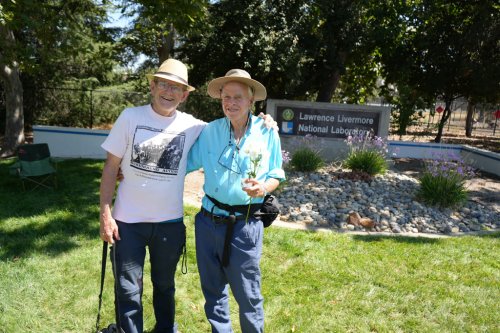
[489,234]
[52,238]
[423,239]
[400,239]
[78,186]
[49,221]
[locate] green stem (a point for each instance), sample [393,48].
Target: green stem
[248,211]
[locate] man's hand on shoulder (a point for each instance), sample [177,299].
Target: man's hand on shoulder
[269,122]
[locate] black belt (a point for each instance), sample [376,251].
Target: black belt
[230,222]
[219,219]
[244,210]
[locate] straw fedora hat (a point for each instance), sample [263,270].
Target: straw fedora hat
[237,75]
[172,70]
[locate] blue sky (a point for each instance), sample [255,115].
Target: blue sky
[119,21]
[116,19]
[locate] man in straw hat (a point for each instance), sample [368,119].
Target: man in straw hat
[149,144]
[242,163]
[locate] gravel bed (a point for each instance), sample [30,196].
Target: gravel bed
[386,203]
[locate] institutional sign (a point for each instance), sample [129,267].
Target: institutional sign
[327,119]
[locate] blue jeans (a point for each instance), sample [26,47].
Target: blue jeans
[242,274]
[165,242]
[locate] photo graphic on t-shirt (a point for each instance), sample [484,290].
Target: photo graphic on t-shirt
[156,150]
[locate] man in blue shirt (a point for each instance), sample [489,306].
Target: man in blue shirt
[242,163]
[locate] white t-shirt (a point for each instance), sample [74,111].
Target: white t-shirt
[154,153]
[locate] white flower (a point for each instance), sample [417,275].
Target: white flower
[255,150]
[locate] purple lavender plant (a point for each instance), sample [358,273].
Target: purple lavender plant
[447,164]
[443,180]
[285,156]
[367,141]
[367,153]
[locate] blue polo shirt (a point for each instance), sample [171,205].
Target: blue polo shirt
[225,164]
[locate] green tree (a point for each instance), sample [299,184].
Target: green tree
[406,103]
[333,32]
[439,48]
[156,25]
[45,43]
[9,71]
[297,48]
[361,80]
[248,34]
[481,72]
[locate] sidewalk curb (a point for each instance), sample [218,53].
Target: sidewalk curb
[303,227]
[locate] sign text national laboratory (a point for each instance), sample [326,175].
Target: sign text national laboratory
[326,122]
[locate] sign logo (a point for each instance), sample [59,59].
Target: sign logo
[287,127]
[288,114]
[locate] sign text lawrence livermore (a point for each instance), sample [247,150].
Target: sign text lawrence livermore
[329,124]
[333,122]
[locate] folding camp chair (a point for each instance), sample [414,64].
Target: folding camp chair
[35,166]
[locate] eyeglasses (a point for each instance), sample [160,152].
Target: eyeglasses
[228,160]
[229,99]
[164,85]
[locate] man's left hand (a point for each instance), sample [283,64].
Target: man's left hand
[254,188]
[269,122]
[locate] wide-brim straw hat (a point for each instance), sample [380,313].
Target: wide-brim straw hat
[237,75]
[173,70]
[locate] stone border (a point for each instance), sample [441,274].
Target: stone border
[302,227]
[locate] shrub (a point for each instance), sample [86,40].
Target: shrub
[443,181]
[367,153]
[307,160]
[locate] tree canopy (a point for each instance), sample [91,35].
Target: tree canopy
[154,25]
[44,43]
[299,49]
[440,49]
[410,52]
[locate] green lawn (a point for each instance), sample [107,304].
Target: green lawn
[312,282]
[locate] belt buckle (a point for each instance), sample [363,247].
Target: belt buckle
[218,219]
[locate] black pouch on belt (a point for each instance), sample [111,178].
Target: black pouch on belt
[269,210]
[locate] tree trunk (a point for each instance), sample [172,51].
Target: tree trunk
[14,115]
[444,118]
[328,88]
[326,92]
[469,119]
[166,47]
